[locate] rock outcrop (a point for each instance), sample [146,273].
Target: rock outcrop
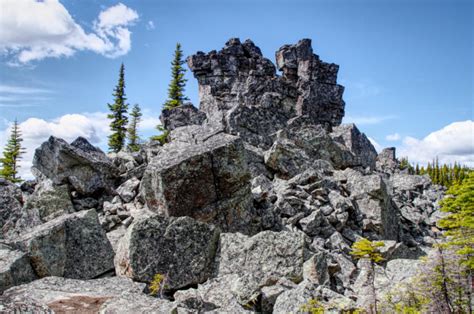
[252,205]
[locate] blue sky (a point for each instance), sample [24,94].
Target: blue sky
[407,65]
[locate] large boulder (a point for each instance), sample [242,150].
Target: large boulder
[85,167]
[300,146]
[183,115]
[72,246]
[15,268]
[201,177]
[364,153]
[260,260]
[11,202]
[61,295]
[387,161]
[182,249]
[50,200]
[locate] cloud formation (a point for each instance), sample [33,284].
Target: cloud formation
[454,142]
[92,126]
[393,137]
[33,30]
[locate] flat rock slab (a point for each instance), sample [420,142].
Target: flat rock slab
[61,295]
[182,249]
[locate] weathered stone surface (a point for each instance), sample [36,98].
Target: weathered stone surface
[73,246]
[128,189]
[15,268]
[183,115]
[50,200]
[364,153]
[260,260]
[386,161]
[181,248]
[60,295]
[206,179]
[85,167]
[11,202]
[300,146]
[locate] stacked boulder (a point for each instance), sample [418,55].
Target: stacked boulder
[251,206]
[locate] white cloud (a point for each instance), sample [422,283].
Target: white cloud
[150,25]
[393,137]
[377,146]
[33,30]
[92,126]
[454,142]
[365,120]
[22,96]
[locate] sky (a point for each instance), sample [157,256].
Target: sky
[407,65]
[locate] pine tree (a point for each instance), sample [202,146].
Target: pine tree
[118,116]
[133,138]
[364,248]
[176,95]
[12,155]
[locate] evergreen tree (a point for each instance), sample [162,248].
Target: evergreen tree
[12,155]
[364,248]
[118,115]
[176,95]
[133,138]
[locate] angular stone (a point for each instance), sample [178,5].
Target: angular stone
[72,246]
[261,260]
[50,200]
[15,268]
[128,189]
[180,116]
[11,202]
[357,143]
[181,249]
[206,179]
[85,167]
[386,161]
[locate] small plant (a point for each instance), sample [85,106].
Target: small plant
[163,137]
[157,285]
[312,307]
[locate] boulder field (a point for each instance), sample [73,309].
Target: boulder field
[252,205]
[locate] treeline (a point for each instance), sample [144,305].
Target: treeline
[123,125]
[442,174]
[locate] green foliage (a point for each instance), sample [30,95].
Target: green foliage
[364,248]
[404,164]
[12,155]
[312,307]
[446,175]
[133,138]
[459,224]
[176,95]
[157,284]
[163,137]
[118,115]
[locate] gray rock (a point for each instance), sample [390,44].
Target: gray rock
[15,268]
[50,200]
[386,161]
[315,270]
[181,249]
[128,189]
[180,116]
[85,167]
[60,295]
[72,246]
[364,153]
[11,202]
[206,179]
[260,260]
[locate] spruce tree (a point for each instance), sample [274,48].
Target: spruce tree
[176,95]
[12,155]
[133,138]
[118,115]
